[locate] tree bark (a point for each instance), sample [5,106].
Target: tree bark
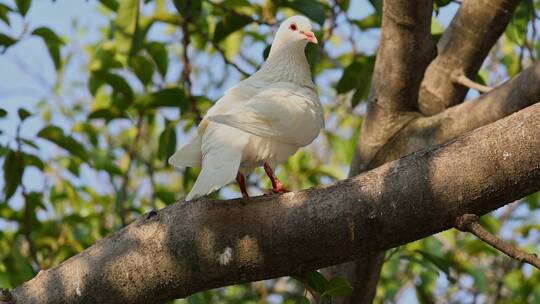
[463,47]
[395,124]
[189,247]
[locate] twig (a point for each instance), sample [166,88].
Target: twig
[122,196]
[227,61]
[460,78]
[186,71]
[222,53]
[469,223]
[27,212]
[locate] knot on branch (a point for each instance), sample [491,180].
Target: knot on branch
[464,221]
[6,297]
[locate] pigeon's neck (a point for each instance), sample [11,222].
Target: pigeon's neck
[287,64]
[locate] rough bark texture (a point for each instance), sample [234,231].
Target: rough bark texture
[189,247]
[395,124]
[405,50]
[462,49]
[423,132]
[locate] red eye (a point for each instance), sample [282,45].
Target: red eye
[293,27]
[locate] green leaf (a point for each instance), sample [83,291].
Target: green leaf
[56,135]
[167,143]
[23,6]
[516,31]
[158,52]
[344,4]
[106,113]
[33,160]
[18,266]
[6,41]
[48,35]
[4,13]
[54,52]
[171,97]
[337,287]
[441,263]
[23,114]
[105,59]
[533,200]
[312,9]
[229,24]
[357,76]
[13,173]
[53,43]
[104,161]
[317,281]
[143,68]
[369,22]
[126,25]
[110,4]
[305,300]
[377,5]
[167,197]
[188,8]
[119,84]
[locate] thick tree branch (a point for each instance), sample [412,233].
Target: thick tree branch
[463,47]
[518,93]
[189,247]
[405,51]
[469,223]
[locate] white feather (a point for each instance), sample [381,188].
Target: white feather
[221,159]
[284,112]
[189,155]
[264,118]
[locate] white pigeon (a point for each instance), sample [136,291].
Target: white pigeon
[261,121]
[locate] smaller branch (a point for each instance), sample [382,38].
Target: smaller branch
[513,95]
[469,223]
[27,232]
[122,195]
[186,71]
[220,50]
[227,61]
[460,78]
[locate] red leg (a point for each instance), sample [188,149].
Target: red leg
[241,180]
[277,186]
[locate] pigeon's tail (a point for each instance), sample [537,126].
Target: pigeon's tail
[189,155]
[219,165]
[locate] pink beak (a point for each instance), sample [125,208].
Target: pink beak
[310,37]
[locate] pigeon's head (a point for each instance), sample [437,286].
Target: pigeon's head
[295,29]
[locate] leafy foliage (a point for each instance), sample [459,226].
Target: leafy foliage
[77,166]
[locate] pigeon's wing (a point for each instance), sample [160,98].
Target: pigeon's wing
[285,113]
[222,152]
[190,155]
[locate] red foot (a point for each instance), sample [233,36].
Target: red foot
[277,186]
[241,180]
